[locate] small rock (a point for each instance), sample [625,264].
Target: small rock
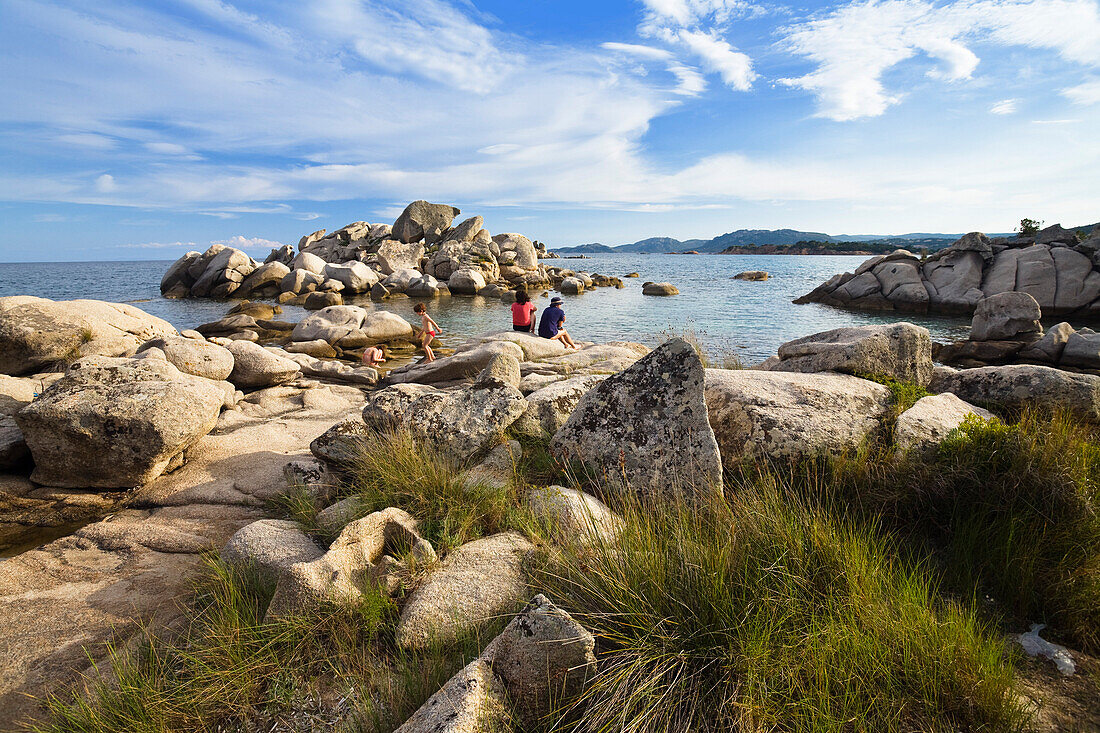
[751,275]
[271,546]
[924,425]
[574,516]
[660,289]
[473,701]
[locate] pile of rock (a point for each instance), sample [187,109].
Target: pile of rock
[1006,329]
[422,255]
[1059,268]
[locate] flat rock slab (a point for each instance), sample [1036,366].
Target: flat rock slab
[646,427]
[790,415]
[1018,385]
[901,351]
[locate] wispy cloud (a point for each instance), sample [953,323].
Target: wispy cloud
[160,245]
[1004,107]
[242,242]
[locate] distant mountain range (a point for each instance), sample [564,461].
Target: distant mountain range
[761,237]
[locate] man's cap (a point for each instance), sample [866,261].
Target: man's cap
[556,301]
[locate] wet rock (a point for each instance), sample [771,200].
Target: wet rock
[646,427]
[746,275]
[660,289]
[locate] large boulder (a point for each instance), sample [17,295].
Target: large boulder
[1082,350]
[394,255]
[466,281]
[354,276]
[330,324]
[1005,316]
[116,422]
[646,427]
[476,584]
[255,367]
[1036,274]
[422,220]
[1016,386]
[467,230]
[385,408]
[36,333]
[901,351]
[309,262]
[572,516]
[267,276]
[923,426]
[789,415]
[526,257]
[191,356]
[465,422]
[1049,348]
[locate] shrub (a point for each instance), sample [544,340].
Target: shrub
[1029,227]
[761,613]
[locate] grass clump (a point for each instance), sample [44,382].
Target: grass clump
[762,613]
[903,394]
[229,666]
[1011,510]
[394,469]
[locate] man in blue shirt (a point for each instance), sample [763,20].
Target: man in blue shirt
[552,324]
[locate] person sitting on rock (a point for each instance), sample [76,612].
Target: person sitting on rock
[374,355]
[523,313]
[552,325]
[429,329]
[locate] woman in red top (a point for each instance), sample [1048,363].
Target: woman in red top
[523,313]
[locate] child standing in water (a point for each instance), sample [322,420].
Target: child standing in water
[429,330]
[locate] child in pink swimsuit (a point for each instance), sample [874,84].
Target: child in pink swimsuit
[429,328]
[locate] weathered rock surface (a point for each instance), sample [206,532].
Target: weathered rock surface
[361,555]
[900,350]
[788,415]
[573,516]
[36,333]
[117,422]
[422,220]
[543,656]
[385,409]
[1008,315]
[1060,275]
[254,366]
[473,701]
[476,584]
[549,407]
[646,427]
[924,425]
[464,423]
[459,366]
[342,443]
[1017,385]
[191,356]
[270,546]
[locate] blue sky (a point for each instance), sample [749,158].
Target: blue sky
[136,130]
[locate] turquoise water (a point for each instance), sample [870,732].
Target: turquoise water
[750,319]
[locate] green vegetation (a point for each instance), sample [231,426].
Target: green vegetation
[762,613]
[1029,227]
[839,594]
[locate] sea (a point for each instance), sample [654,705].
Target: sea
[728,317]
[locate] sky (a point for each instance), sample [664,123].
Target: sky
[141,130]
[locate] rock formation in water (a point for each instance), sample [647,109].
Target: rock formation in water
[424,254]
[1058,267]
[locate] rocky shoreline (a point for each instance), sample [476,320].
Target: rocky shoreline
[157,448]
[1059,268]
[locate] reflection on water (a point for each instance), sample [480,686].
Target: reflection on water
[748,318]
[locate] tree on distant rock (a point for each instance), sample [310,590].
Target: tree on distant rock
[1029,227]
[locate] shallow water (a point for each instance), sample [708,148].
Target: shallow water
[750,319]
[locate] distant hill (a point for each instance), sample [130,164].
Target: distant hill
[717,244]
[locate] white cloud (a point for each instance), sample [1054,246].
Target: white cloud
[1087,93]
[634,49]
[242,242]
[853,46]
[690,81]
[689,13]
[87,140]
[106,183]
[166,148]
[718,56]
[1004,107]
